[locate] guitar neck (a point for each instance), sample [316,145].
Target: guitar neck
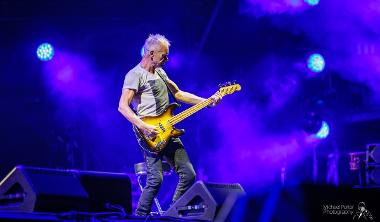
[190,111]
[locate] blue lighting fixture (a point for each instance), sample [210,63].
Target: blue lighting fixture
[142,51]
[45,52]
[323,131]
[312,2]
[316,63]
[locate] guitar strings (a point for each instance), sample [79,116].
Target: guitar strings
[188,112]
[177,118]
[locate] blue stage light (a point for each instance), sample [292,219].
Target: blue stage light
[323,131]
[142,51]
[312,2]
[316,63]
[45,52]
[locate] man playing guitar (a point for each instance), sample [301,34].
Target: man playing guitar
[147,86]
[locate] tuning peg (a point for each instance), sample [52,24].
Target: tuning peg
[220,85]
[229,83]
[233,82]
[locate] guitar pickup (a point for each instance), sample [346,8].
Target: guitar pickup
[161,127]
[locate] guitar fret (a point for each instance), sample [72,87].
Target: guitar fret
[185,114]
[181,116]
[188,112]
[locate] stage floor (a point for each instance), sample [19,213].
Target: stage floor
[80,216]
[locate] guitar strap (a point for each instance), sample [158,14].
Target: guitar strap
[163,79]
[171,93]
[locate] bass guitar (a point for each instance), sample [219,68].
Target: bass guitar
[165,122]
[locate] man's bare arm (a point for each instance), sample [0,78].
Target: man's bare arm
[124,108]
[190,98]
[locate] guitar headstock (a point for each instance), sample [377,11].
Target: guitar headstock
[229,88]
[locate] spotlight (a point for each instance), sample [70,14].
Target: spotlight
[316,63]
[323,131]
[45,52]
[315,126]
[142,51]
[312,2]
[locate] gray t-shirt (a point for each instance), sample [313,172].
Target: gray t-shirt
[151,94]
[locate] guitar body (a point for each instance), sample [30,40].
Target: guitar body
[165,129]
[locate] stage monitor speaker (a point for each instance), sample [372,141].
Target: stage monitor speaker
[206,201]
[107,190]
[29,189]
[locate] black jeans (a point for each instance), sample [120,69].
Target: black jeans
[176,155]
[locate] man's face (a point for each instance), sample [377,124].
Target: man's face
[160,57]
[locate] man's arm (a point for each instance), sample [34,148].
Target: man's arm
[189,98]
[124,108]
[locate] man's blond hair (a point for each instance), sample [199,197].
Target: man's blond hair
[154,42]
